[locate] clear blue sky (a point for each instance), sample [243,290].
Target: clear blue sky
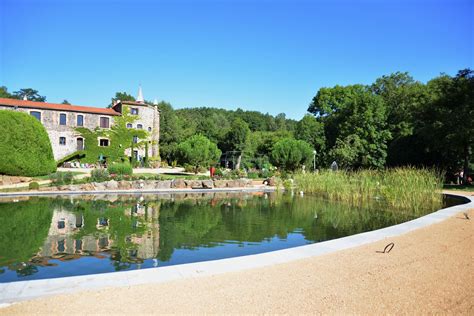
[270,56]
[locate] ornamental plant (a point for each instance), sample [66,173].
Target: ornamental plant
[24,146]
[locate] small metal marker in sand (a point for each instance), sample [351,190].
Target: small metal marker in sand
[387,248]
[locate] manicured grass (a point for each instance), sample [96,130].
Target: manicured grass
[46,177]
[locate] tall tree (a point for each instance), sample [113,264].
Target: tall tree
[236,138]
[30,94]
[5,94]
[449,119]
[354,111]
[199,152]
[171,133]
[311,130]
[291,154]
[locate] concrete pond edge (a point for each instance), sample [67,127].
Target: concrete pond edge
[17,291]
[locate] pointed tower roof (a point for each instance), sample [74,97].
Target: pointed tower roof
[140,95]
[25,98]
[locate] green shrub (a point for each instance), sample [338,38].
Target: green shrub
[99,175]
[33,186]
[68,177]
[25,147]
[199,152]
[60,178]
[218,172]
[120,169]
[81,181]
[253,175]
[290,154]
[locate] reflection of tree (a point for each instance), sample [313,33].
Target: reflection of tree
[191,224]
[24,228]
[132,230]
[26,270]
[113,220]
[185,224]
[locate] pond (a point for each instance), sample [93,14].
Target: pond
[49,237]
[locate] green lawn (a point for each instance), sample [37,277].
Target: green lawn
[46,177]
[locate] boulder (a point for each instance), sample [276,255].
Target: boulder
[140,184]
[124,185]
[207,184]
[244,183]
[193,184]
[178,184]
[71,187]
[86,187]
[24,179]
[166,184]
[48,189]
[220,183]
[99,186]
[271,181]
[149,184]
[111,185]
[7,180]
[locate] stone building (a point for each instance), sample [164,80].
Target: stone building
[61,121]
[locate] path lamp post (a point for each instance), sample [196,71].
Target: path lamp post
[314,160]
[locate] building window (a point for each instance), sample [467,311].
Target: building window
[149,129]
[134,111]
[139,126]
[36,114]
[61,245]
[62,140]
[129,125]
[62,119]
[135,139]
[103,142]
[61,224]
[80,143]
[80,120]
[104,122]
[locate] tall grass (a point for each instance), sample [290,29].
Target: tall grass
[406,188]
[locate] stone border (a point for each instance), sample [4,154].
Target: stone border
[138,191]
[25,290]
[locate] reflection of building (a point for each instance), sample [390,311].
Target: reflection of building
[149,242]
[61,242]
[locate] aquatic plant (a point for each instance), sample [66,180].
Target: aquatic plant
[406,188]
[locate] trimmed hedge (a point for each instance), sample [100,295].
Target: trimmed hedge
[25,149]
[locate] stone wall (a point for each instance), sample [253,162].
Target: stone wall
[149,119]
[153,185]
[50,120]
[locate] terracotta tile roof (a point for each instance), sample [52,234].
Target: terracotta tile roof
[55,106]
[133,103]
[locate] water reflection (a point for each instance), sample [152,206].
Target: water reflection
[51,237]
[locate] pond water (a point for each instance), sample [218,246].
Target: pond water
[49,237]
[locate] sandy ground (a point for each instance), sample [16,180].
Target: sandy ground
[430,270]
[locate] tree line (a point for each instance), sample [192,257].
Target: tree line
[395,121]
